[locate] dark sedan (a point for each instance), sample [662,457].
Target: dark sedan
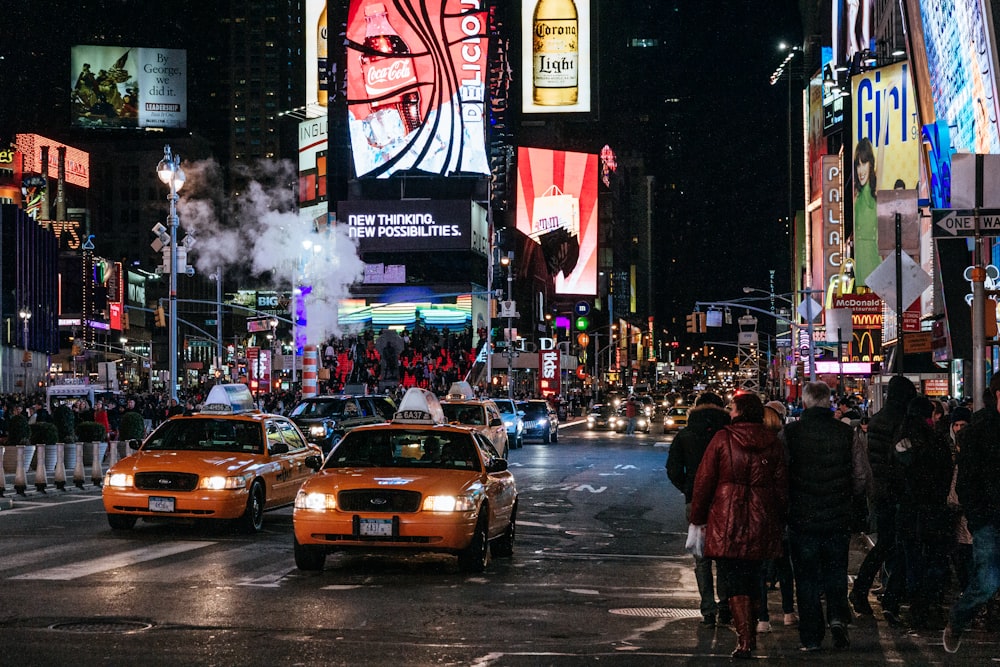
[540,420]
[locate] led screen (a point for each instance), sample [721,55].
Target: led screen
[886,148]
[555,56]
[128,87]
[77,161]
[414,225]
[416,86]
[557,208]
[961,66]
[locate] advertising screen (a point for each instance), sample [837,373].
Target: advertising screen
[960,62]
[313,142]
[555,56]
[128,87]
[413,225]
[886,148]
[416,86]
[317,72]
[557,209]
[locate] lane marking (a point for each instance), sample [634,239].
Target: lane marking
[97,565]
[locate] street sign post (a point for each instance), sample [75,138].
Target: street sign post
[950,223]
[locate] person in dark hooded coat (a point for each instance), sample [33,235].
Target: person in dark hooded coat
[706,417]
[882,428]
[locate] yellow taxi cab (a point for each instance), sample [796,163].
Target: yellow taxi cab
[417,483]
[462,407]
[227,461]
[676,418]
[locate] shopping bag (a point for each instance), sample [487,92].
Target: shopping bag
[695,544]
[552,211]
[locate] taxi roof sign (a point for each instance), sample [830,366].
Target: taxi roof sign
[461,390]
[419,406]
[229,398]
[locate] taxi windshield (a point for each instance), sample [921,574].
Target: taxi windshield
[207,435]
[464,414]
[323,408]
[405,449]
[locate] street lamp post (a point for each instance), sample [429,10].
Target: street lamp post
[25,315]
[169,171]
[506,261]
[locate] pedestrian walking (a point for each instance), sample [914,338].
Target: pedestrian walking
[923,524]
[704,419]
[978,490]
[821,486]
[741,497]
[882,429]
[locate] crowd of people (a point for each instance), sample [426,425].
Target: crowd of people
[779,500]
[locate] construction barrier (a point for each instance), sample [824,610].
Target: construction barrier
[310,364]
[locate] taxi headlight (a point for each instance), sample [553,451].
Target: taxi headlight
[221,483]
[449,504]
[305,500]
[119,480]
[669,421]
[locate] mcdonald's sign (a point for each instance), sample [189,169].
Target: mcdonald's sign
[866,346]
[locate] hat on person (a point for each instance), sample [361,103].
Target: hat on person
[778,407]
[961,414]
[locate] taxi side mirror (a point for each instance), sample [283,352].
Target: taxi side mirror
[496,465]
[313,462]
[496,422]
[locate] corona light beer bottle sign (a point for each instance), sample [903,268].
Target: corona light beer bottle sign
[556,48]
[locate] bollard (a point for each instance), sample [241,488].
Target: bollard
[41,480]
[20,478]
[96,475]
[59,476]
[310,361]
[78,468]
[112,452]
[3,473]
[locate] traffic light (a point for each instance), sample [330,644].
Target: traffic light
[161,317]
[692,323]
[125,323]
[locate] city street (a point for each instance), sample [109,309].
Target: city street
[599,576]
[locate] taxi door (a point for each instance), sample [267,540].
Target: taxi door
[286,467]
[496,430]
[500,488]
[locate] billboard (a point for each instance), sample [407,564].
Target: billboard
[128,87]
[416,86]
[555,56]
[415,225]
[886,144]
[317,68]
[961,65]
[557,209]
[313,147]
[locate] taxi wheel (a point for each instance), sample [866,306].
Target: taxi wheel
[309,558]
[121,521]
[253,517]
[503,546]
[476,556]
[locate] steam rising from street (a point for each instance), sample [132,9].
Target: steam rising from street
[261,231]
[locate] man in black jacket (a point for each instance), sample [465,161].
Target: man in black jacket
[706,417]
[978,491]
[882,429]
[820,491]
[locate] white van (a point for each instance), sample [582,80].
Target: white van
[61,394]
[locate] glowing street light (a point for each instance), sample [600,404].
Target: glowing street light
[170,172]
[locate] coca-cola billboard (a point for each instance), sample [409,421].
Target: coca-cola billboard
[416,86]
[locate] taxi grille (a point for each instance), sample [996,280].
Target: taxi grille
[379,500]
[166,481]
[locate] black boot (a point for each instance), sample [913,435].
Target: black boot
[743,615]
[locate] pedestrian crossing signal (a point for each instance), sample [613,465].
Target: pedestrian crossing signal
[161,317]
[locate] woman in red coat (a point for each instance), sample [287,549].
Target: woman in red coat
[741,497]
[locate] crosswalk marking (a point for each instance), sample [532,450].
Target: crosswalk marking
[85,568]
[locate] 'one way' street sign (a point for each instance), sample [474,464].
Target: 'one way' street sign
[951,223]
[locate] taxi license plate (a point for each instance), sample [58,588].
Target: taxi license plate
[375,527]
[159,504]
